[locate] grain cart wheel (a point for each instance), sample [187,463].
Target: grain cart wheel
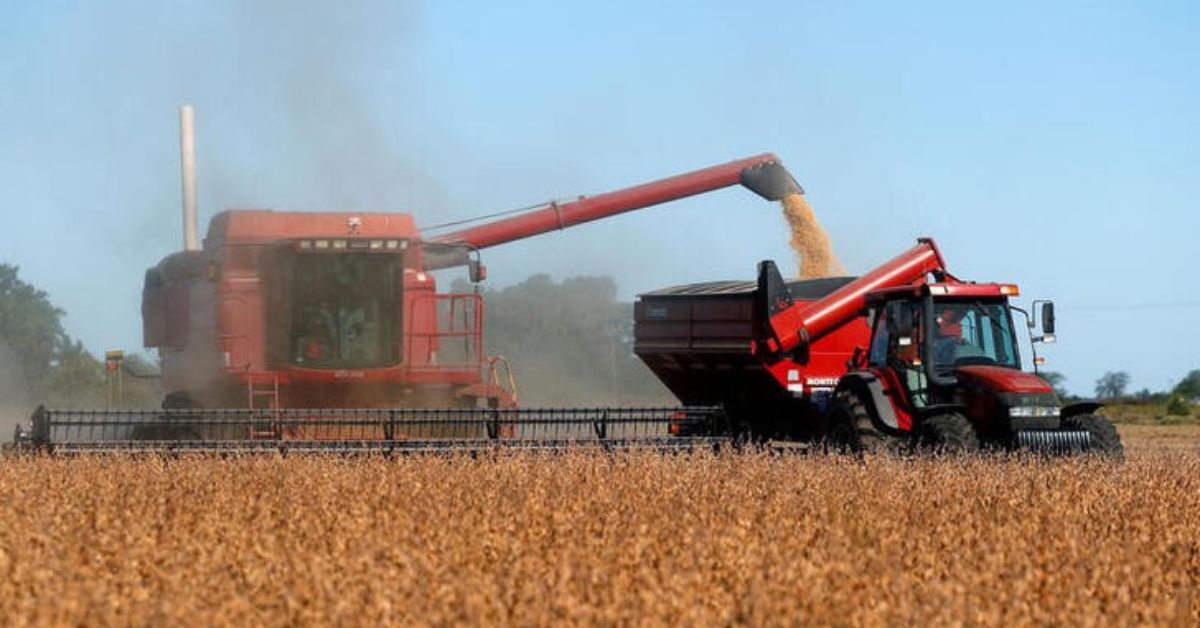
[1105,439]
[849,428]
[949,433]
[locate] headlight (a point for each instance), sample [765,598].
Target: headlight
[1033,411]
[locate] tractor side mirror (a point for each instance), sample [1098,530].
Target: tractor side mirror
[476,271]
[1048,318]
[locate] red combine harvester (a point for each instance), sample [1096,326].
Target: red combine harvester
[326,330]
[341,310]
[905,356]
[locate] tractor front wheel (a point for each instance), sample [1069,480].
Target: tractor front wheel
[1105,439]
[949,433]
[850,429]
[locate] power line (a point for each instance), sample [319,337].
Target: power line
[1110,307]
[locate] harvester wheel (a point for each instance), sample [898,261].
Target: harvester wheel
[850,429]
[949,433]
[1105,439]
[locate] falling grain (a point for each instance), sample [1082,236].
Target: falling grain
[809,240]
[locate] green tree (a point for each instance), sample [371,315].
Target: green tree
[77,377]
[569,342]
[1189,386]
[1112,385]
[1056,381]
[40,363]
[1176,406]
[30,327]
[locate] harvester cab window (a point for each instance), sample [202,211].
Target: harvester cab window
[342,311]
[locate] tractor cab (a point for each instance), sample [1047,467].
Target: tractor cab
[928,335]
[944,348]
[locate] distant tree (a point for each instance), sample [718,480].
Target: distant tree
[1176,406]
[30,328]
[40,363]
[1112,385]
[1056,381]
[1143,396]
[78,377]
[568,342]
[1189,386]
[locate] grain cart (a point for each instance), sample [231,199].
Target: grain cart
[905,356]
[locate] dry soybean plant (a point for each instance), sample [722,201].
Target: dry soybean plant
[536,539]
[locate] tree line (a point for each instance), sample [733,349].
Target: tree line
[41,363]
[1113,386]
[570,343]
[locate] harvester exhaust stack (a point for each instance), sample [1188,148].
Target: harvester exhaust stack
[187,163]
[770,180]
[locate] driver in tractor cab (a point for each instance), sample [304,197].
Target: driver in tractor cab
[957,335]
[949,335]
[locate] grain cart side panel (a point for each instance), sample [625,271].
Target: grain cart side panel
[699,340]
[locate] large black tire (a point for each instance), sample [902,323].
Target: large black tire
[1105,439]
[850,429]
[949,433]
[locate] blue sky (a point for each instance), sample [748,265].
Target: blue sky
[1051,144]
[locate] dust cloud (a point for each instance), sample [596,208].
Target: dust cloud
[15,406]
[810,240]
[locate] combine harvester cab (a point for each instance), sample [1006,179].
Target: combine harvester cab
[904,357]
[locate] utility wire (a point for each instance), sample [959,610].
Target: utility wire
[1176,305]
[466,221]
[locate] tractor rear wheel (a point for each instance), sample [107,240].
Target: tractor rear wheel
[849,427]
[1105,439]
[949,433]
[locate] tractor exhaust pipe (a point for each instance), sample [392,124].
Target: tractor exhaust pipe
[187,160]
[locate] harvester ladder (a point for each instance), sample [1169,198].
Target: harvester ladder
[262,391]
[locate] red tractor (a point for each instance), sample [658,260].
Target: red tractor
[904,356]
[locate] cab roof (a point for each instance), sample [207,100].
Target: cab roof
[948,290]
[261,226]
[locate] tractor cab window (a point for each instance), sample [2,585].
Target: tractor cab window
[342,310]
[900,352]
[877,356]
[973,332]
